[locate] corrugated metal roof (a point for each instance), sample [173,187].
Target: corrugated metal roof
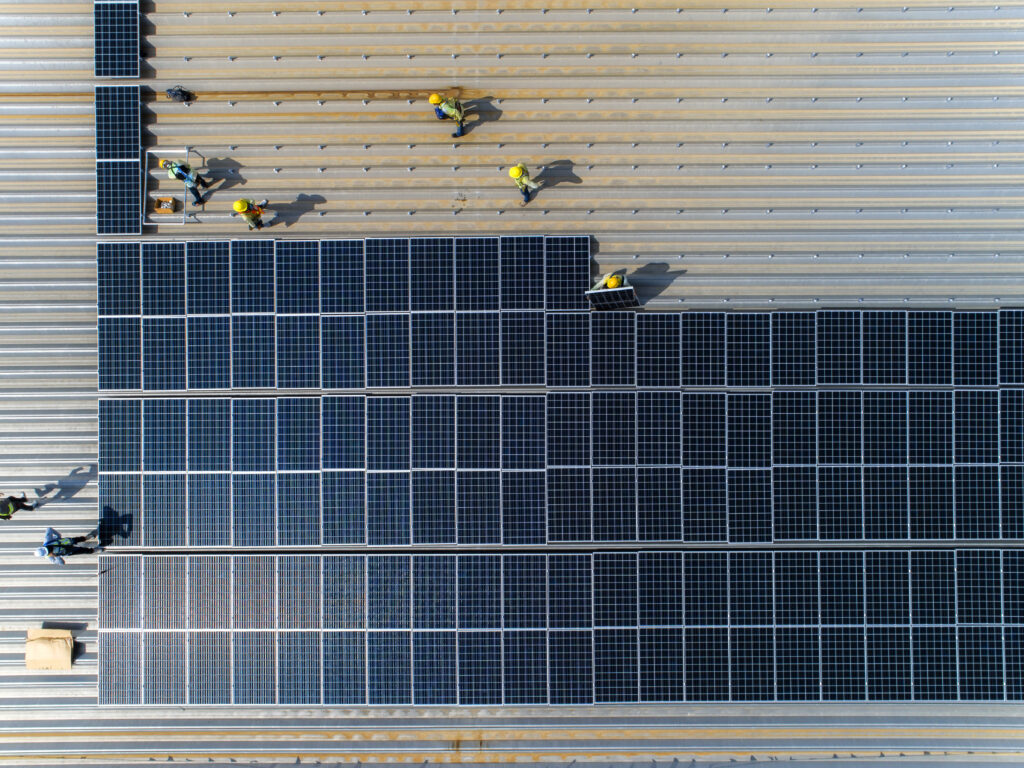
[732,154]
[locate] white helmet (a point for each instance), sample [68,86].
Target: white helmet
[42,552]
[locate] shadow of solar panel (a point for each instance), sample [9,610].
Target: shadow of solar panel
[118,279]
[298,276]
[387,351]
[342,347]
[298,351]
[478,345]
[522,348]
[252,276]
[568,350]
[116,39]
[119,345]
[120,509]
[476,274]
[433,349]
[522,264]
[432,287]
[117,122]
[118,197]
[341,276]
[208,278]
[387,275]
[434,662]
[566,272]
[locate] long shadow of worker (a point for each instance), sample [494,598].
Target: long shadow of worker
[113,524]
[289,213]
[557,172]
[66,487]
[651,279]
[224,169]
[482,110]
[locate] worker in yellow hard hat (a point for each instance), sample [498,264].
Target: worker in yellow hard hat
[521,177]
[611,280]
[251,212]
[183,172]
[449,109]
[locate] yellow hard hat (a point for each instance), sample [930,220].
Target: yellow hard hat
[435,99]
[614,281]
[241,206]
[164,163]
[515,171]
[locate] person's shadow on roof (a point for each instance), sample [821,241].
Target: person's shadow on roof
[652,279]
[113,524]
[556,172]
[478,112]
[289,213]
[66,488]
[226,170]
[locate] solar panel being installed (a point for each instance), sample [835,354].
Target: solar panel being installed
[116,38]
[614,627]
[118,166]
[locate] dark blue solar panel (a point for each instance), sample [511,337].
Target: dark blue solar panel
[299,661]
[341,276]
[298,509]
[613,425]
[344,426]
[253,519]
[163,353]
[480,668]
[433,275]
[976,427]
[208,278]
[839,427]
[658,504]
[522,262]
[344,507]
[753,669]
[976,348]
[298,276]
[119,346]
[931,427]
[794,428]
[749,431]
[433,430]
[614,504]
[387,275]
[977,504]
[118,134]
[613,349]
[662,665]
[387,508]
[839,347]
[479,583]
[703,429]
[568,349]
[209,435]
[120,428]
[569,504]
[522,432]
[342,347]
[931,502]
[615,589]
[389,668]
[298,433]
[657,350]
[118,280]
[254,668]
[568,434]
[298,352]
[930,347]
[118,197]
[344,668]
[433,346]
[750,505]
[163,507]
[525,591]
[116,39]
[840,503]
[252,276]
[793,348]
[479,432]
[163,278]
[253,352]
[209,510]
[387,350]
[433,592]
[658,420]
[612,298]
[433,507]
[885,347]
[749,350]
[750,588]
[120,498]
[478,507]
[704,502]
[523,506]
[885,427]
[702,348]
[842,663]
[253,430]
[571,660]
[522,348]
[434,665]
[660,588]
[1011,411]
[795,497]
[476,274]
[566,272]
[885,503]
[526,667]
[1011,346]
[387,432]
[209,352]
[478,341]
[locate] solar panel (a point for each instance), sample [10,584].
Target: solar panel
[298,351]
[477,348]
[521,266]
[433,349]
[208,278]
[703,348]
[117,122]
[658,350]
[566,272]
[623,297]
[613,349]
[118,197]
[387,275]
[568,349]
[341,276]
[387,350]
[839,347]
[116,39]
[748,346]
[476,274]
[522,348]
[298,277]
[794,348]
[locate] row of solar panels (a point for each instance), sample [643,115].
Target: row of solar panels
[569,629]
[116,38]
[118,158]
[294,277]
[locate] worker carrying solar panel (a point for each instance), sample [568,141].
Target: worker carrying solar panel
[449,109]
[183,172]
[251,212]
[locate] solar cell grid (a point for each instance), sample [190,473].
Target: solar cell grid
[116,39]
[118,197]
[118,134]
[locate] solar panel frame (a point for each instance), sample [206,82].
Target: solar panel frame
[116,39]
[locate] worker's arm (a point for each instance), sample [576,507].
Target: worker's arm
[50,535]
[56,559]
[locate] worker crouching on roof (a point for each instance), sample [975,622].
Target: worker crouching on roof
[184,173]
[251,212]
[449,109]
[521,177]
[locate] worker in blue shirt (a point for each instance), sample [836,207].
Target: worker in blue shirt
[56,547]
[184,173]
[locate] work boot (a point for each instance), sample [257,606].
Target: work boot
[262,203]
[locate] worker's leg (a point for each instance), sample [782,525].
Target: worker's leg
[79,539]
[195,194]
[203,182]
[79,551]
[21,503]
[526,194]
[458,130]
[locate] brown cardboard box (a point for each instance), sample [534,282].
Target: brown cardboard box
[164,205]
[48,649]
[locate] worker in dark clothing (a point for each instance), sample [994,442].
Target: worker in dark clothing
[184,173]
[56,547]
[12,504]
[449,109]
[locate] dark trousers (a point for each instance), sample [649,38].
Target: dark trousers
[18,503]
[195,193]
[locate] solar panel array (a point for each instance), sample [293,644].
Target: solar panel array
[338,314]
[116,38]
[616,627]
[118,163]
[566,467]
